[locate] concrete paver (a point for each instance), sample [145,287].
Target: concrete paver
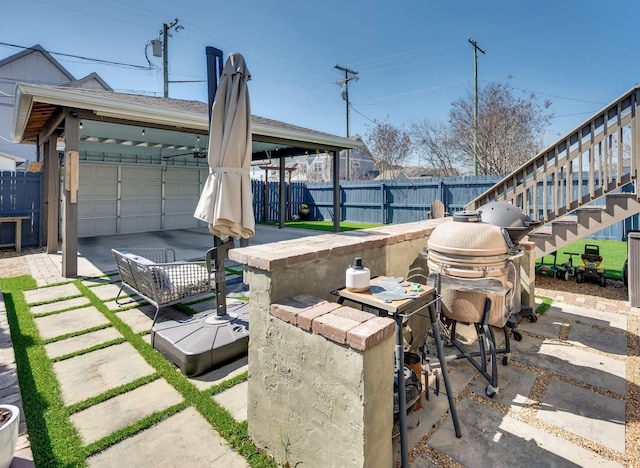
[588,414]
[515,386]
[70,321]
[80,342]
[493,439]
[605,341]
[589,316]
[116,413]
[106,291]
[184,439]
[139,319]
[234,400]
[220,374]
[579,364]
[91,374]
[547,325]
[60,305]
[51,293]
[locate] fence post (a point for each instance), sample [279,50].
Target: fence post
[383,203]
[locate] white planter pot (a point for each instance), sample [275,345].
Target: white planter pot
[9,436]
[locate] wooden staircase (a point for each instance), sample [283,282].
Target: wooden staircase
[583,183]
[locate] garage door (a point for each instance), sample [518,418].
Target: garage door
[120,199]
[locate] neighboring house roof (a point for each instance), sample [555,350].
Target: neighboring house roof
[88,80]
[37,48]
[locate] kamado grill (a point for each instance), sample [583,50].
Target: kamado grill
[474,260]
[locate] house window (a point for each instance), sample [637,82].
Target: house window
[318,167]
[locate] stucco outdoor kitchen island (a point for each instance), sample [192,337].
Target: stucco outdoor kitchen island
[349,423]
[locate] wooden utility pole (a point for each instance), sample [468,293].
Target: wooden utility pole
[349,75]
[475,104]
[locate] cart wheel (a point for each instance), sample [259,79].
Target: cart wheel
[490,391]
[505,360]
[533,318]
[579,277]
[436,391]
[565,275]
[516,335]
[602,281]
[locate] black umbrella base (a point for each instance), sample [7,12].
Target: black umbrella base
[199,344]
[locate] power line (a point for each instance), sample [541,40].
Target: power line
[89,59]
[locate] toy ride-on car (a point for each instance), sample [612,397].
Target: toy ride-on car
[567,269]
[548,270]
[590,270]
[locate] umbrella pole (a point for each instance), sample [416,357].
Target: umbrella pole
[219,254]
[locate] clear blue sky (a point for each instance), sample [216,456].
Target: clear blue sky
[412,56]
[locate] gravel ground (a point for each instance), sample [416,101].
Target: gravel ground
[614,290]
[12,264]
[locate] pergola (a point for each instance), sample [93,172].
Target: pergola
[93,124]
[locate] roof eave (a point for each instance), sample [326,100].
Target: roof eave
[26,94]
[327,140]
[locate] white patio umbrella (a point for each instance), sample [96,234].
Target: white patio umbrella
[226,202]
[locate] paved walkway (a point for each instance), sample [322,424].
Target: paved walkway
[566,398]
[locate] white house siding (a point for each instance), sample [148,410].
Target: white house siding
[30,68]
[121,199]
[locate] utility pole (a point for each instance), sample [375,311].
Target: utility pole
[475,104]
[165,51]
[349,75]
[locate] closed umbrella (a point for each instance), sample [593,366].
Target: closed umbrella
[226,202]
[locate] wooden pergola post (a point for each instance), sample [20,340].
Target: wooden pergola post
[70,195]
[52,194]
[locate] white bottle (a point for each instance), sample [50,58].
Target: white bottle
[358,277]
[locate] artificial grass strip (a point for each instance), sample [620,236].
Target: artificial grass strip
[235,433]
[111,393]
[133,429]
[53,438]
[106,344]
[53,301]
[73,334]
[227,384]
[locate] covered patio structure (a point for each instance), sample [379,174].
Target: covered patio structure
[76,128]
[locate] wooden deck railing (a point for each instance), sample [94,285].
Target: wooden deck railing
[606,146]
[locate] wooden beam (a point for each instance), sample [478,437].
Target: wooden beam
[52,125]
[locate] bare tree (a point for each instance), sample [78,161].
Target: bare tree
[389,147]
[509,129]
[432,140]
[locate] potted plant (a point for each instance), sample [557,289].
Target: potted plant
[303,212]
[9,428]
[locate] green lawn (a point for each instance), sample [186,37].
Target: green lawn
[614,253]
[326,225]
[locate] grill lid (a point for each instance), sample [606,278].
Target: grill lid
[466,235]
[509,217]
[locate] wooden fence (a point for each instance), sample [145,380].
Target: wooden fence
[384,202]
[21,195]
[389,202]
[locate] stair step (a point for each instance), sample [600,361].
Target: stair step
[584,221]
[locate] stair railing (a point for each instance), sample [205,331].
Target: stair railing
[597,157]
